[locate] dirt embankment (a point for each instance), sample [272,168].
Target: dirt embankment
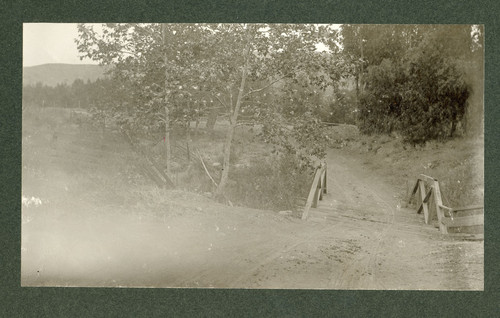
[458,164]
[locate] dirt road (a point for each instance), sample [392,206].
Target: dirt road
[359,238]
[396,249]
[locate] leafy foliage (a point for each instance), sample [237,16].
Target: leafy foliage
[280,183]
[411,78]
[188,67]
[342,108]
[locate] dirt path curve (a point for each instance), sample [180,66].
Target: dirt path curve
[364,239]
[399,251]
[359,238]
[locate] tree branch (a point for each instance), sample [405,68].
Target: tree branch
[220,101]
[270,84]
[161,118]
[206,170]
[209,108]
[127,52]
[210,176]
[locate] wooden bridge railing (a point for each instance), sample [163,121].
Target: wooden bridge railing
[318,188]
[429,201]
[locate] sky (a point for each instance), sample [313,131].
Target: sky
[50,43]
[55,43]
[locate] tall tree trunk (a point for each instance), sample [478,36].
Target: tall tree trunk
[361,75]
[234,118]
[357,84]
[168,149]
[196,128]
[188,138]
[168,153]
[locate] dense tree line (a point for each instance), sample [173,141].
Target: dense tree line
[416,80]
[80,94]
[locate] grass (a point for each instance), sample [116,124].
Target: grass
[457,164]
[273,183]
[258,178]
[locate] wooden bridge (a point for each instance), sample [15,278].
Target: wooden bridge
[462,221]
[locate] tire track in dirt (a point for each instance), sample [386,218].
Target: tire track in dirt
[362,270]
[269,256]
[401,251]
[372,266]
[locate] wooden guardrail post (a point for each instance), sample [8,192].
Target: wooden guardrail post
[438,203]
[317,194]
[318,188]
[423,196]
[324,178]
[429,200]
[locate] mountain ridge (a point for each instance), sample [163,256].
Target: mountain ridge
[53,74]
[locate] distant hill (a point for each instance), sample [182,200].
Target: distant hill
[53,74]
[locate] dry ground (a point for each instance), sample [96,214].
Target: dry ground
[94,226]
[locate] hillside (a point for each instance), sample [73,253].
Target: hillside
[53,74]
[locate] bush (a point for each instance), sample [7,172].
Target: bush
[424,97]
[278,183]
[341,109]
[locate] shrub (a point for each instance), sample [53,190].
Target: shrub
[424,97]
[279,183]
[341,109]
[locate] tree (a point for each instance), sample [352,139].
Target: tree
[269,55]
[232,64]
[413,77]
[147,65]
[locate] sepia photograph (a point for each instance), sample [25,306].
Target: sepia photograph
[253,156]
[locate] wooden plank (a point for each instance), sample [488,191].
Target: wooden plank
[425,198]
[317,190]
[463,221]
[426,178]
[415,188]
[322,185]
[315,200]
[312,193]
[469,208]
[447,208]
[438,202]
[467,236]
[325,178]
[320,189]
[418,197]
[479,209]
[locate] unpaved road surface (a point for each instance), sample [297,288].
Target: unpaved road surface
[359,238]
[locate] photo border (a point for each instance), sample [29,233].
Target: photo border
[68,302]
